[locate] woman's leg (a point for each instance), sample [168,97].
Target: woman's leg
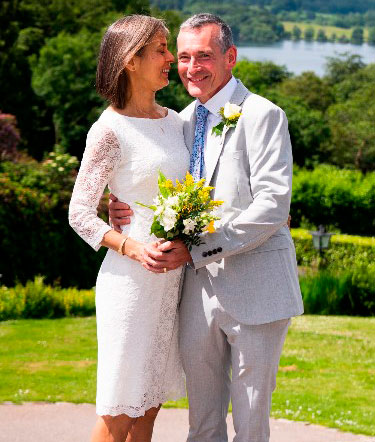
[112,428]
[141,430]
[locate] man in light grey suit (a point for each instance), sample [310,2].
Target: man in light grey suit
[241,286]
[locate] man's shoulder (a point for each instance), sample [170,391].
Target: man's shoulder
[256,105]
[185,114]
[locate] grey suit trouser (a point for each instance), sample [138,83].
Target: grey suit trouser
[211,342]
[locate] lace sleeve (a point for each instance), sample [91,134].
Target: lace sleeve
[100,160]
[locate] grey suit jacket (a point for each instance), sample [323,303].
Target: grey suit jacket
[250,259]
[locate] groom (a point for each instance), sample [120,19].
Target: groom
[241,286]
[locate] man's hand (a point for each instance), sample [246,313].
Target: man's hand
[119,213]
[169,255]
[289,221]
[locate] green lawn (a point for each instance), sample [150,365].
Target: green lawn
[329,30]
[327,373]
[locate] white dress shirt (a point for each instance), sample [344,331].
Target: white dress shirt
[213,105]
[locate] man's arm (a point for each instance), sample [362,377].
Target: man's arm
[269,150]
[119,213]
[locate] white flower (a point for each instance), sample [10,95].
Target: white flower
[172,201]
[168,219]
[61,169]
[231,109]
[189,225]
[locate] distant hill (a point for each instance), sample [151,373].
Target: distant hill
[324,6]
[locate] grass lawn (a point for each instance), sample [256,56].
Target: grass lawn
[327,372]
[329,30]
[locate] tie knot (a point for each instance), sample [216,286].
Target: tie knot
[202,113]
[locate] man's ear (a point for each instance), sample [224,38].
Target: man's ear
[232,56]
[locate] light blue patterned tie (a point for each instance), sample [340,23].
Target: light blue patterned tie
[197,155]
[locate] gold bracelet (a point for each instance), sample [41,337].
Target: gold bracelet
[121,246]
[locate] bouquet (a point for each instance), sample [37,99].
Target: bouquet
[183,210]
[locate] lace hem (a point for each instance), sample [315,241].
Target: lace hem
[117,410]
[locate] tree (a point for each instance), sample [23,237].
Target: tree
[353,131]
[340,67]
[260,76]
[296,33]
[321,35]
[343,39]
[64,76]
[24,27]
[371,36]
[309,33]
[308,129]
[357,36]
[311,89]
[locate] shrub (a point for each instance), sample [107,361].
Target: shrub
[38,300]
[347,286]
[36,236]
[9,137]
[339,198]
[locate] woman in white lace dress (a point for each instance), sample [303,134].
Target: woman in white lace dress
[134,138]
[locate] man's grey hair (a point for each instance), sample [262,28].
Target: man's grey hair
[199,20]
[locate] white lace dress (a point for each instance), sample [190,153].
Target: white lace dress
[136,310]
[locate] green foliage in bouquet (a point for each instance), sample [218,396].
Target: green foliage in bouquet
[183,211]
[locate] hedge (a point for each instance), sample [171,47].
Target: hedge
[349,265]
[38,300]
[36,238]
[337,198]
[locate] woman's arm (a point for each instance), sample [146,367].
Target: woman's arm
[100,161]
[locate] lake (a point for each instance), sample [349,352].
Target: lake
[301,56]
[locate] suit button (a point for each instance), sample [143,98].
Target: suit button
[204,254]
[219,249]
[214,251]
[209,253]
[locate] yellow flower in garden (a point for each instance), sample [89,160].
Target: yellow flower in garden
[211,228]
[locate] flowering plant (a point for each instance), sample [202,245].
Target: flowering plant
[183,210]
[230,114]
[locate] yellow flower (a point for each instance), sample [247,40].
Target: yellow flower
[211,228]
[201,182]
[234,116]
[204,194]
[213,204]
[168,184]
[189,180]
[179,186]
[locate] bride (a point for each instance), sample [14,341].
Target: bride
[136,310]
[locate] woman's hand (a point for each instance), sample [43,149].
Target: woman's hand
[147,254]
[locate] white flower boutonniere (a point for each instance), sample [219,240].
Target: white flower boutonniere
[230,114]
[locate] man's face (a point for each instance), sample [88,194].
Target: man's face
[202,66]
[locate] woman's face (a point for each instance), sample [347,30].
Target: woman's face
[153,65]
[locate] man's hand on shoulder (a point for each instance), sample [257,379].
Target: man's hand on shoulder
[119,213]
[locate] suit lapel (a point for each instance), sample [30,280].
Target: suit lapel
[238,98]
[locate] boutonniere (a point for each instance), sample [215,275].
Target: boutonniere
[230,114]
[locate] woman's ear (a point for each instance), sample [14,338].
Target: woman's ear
[132,64]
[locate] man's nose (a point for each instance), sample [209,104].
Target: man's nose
[193,65]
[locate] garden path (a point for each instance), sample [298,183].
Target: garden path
[63,422]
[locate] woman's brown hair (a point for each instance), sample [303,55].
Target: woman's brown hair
[123,39]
